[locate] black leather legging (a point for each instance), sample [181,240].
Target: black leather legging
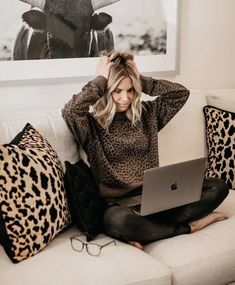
[121,223]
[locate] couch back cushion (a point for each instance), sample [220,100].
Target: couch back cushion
[223,99]
[183,138]
[48,122]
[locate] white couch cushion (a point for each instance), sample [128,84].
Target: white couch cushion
[48,122]
[183,138]
[223,99]
[205,257]
[59,264]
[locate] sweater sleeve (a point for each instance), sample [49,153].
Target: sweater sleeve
[75,112]
[171,97]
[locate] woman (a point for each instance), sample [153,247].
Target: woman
[119,133]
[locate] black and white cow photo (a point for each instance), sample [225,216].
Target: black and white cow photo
[47,29]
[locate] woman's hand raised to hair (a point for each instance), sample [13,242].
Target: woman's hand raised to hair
[103,67]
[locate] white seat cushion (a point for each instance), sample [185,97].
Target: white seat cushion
[59,264]
[207,255]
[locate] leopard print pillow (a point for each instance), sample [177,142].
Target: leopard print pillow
[220,135]
[33,203]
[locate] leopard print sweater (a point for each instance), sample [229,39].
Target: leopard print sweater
[119,156]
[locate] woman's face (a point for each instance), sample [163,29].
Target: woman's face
[123,94]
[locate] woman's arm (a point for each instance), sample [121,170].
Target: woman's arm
[75,112]
[170,97]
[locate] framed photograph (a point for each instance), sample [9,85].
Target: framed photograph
[37,44]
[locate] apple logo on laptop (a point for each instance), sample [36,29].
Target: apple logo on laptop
[174,186]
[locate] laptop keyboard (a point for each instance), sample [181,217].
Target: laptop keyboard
[135,208]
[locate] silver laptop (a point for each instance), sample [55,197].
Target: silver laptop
[168,187]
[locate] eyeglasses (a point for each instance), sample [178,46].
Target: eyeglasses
[92,248]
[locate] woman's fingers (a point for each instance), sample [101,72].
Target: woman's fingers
[103,67]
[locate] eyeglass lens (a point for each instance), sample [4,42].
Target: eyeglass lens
[93,249]
[77,244]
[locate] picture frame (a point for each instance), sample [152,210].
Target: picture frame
[80,68]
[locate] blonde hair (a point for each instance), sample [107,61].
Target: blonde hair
[123,66]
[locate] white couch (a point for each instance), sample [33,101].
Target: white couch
[206,257]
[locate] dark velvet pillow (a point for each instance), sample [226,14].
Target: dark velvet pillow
[86,205]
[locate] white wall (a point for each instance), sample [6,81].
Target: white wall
[207,59]
[207,44]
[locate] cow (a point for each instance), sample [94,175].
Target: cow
[63,29]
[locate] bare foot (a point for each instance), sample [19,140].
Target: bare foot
[203,222]
[136,244]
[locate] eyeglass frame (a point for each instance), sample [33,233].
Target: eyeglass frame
[86,243]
